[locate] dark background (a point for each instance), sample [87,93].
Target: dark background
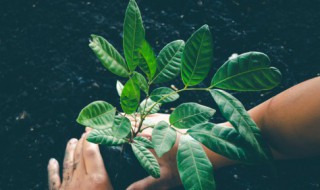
[48,73]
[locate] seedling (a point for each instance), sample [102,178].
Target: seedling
[192,61]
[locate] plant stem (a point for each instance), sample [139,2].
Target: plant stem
[143,116]
[147,128]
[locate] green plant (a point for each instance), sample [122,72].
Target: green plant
[247,72]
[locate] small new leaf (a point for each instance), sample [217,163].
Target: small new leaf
[189,114]
[97,115]
[119,87]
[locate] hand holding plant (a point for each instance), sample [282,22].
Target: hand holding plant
[192,60]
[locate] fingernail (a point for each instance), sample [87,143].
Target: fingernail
[73,141]
[52,161]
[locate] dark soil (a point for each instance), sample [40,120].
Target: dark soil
[48,73]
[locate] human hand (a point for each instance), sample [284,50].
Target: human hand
[83,168]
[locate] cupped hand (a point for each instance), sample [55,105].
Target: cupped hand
[83,168]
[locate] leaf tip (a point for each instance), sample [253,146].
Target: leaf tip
[205,27]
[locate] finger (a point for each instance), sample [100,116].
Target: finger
[149,183]
[92,158]
[88,129]
[146,133]
[79,167]
[68,161]
[53,174]
[159,117]
[166,181]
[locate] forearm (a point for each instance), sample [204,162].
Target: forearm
[289,122]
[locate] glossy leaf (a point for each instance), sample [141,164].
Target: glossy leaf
[143,142]
[130,97]
[169,62]
[105,137]
[121,127]
[189,114]
[141,82]
[109,56]
[148,106]
[225,141]
[197,57]
[163,138]
[119,87]
[235,113]
[247,72]
[133,35]
[164,95]
[97,115]
[146,159]
[148,64]
[195,169]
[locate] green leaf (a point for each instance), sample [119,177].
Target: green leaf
[195,169]
[130,97]
[169,62]
[225,141]
[235,113]
[187,115]
[121,127]
[104,136]
[248,72]
[143,142]
[148,106]
[133,35]
[109,56]
[119,87]
[148,64]
[197,57]
[97,115]
[163,138]
[147,160]
[141,82]
[164,93]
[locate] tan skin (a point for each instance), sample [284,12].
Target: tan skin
[290,123]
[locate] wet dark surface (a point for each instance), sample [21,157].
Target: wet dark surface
[48,73]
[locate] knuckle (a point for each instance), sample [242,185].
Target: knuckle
[72,141]
[72,144]
[90,152]
[97,179]
[67,165]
